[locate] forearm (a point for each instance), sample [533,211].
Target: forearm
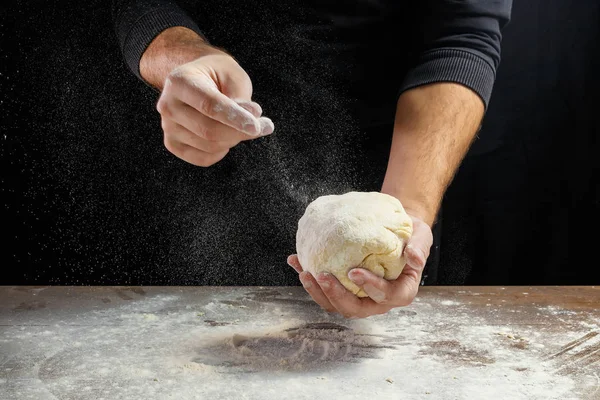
[443,100]
[434,127]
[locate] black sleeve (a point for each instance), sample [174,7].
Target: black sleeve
[138,22]
[461,44]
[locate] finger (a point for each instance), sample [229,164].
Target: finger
[204,126]
[405,288]
[266,126]
[347,303]
[237,86]
[254,108]
[378,289]
[204,96]
[294,263]
[192,155]
[180,134]
[314,290]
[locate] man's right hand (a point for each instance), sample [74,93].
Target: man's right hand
[205,104]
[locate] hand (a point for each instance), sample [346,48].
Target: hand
[384,295]
[206,108]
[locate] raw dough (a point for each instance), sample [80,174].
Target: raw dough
[356,229]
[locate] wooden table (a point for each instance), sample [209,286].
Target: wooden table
[274,342]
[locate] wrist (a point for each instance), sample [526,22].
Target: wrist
[173,47]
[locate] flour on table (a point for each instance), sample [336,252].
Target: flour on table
[249,342]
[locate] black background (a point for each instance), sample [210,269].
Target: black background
[90,195]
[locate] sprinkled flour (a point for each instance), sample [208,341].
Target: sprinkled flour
[264,343]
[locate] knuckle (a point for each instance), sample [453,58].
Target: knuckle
[203,161]
[200,129]
[169,145]
[246,80]
[209,134]
[176,76]
[163,107]
[216,157]
[166,127]
[330,294]
[213,147]
[207,106]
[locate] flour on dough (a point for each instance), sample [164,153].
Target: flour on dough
[356,229]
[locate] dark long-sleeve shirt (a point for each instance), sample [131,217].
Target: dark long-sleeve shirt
[458,41]
[329,74]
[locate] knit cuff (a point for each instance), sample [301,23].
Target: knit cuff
[453,65]
[146,28]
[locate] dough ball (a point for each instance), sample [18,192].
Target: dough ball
[356,229]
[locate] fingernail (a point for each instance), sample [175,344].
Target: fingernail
[257,109]
[374,293]
[250,106]
[304,279]
[356,277]
[266,126]
[252,127]
[323,279]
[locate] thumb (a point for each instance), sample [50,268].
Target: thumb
[237,85]
[419,245]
